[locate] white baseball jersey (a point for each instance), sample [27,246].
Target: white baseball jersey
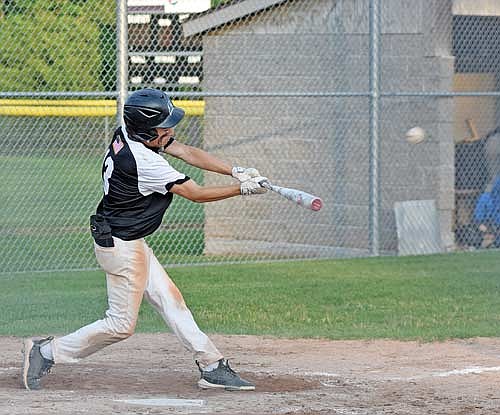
[136,181]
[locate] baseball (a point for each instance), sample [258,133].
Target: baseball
[415,135]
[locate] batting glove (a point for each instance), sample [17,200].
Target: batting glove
[253,186]
[244,173]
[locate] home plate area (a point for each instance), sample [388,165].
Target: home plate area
[153,374]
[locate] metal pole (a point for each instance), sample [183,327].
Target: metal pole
[121,58]
[374,133]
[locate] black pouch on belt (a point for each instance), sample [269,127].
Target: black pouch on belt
[101,231]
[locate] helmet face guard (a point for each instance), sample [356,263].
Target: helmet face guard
[148,109]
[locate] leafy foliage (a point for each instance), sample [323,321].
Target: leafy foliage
[56,45]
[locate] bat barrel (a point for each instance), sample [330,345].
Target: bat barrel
[301,198]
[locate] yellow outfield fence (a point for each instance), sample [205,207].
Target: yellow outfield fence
[78,108]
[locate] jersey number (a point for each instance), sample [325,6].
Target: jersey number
[108,171]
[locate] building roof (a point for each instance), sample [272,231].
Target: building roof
[476,7]
[235,10]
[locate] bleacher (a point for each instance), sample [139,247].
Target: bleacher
[159,56]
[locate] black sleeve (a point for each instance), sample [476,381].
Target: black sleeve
[168,186]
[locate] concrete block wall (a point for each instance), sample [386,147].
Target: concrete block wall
[321,144]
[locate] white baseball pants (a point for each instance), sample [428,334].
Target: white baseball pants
[133,271]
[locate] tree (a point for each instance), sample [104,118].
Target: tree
[57,45]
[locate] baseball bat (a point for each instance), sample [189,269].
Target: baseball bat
[303,199]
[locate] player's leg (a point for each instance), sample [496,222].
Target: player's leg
[165,297]
[126,269]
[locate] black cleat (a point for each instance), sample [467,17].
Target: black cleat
[223,377]
[35,366]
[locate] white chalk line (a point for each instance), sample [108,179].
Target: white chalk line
[297,372]
[328,385]
[457,372]
[164,402]
[320,375]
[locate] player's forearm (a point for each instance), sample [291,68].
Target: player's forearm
[206,161]
[201,194]
[212,194]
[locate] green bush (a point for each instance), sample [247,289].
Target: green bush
[58,45]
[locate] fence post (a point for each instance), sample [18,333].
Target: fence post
[122,57]
[374,201]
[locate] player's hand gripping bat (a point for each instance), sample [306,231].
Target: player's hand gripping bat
[303,199]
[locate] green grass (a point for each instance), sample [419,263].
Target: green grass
[46,204]
[425,298]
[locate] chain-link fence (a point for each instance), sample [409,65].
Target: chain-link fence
[318,95]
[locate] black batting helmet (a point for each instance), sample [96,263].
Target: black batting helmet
[148,109]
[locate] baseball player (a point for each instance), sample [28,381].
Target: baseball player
[139,185]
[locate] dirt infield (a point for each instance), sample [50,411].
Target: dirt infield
[292,376]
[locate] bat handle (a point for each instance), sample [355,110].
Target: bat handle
[266,185]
